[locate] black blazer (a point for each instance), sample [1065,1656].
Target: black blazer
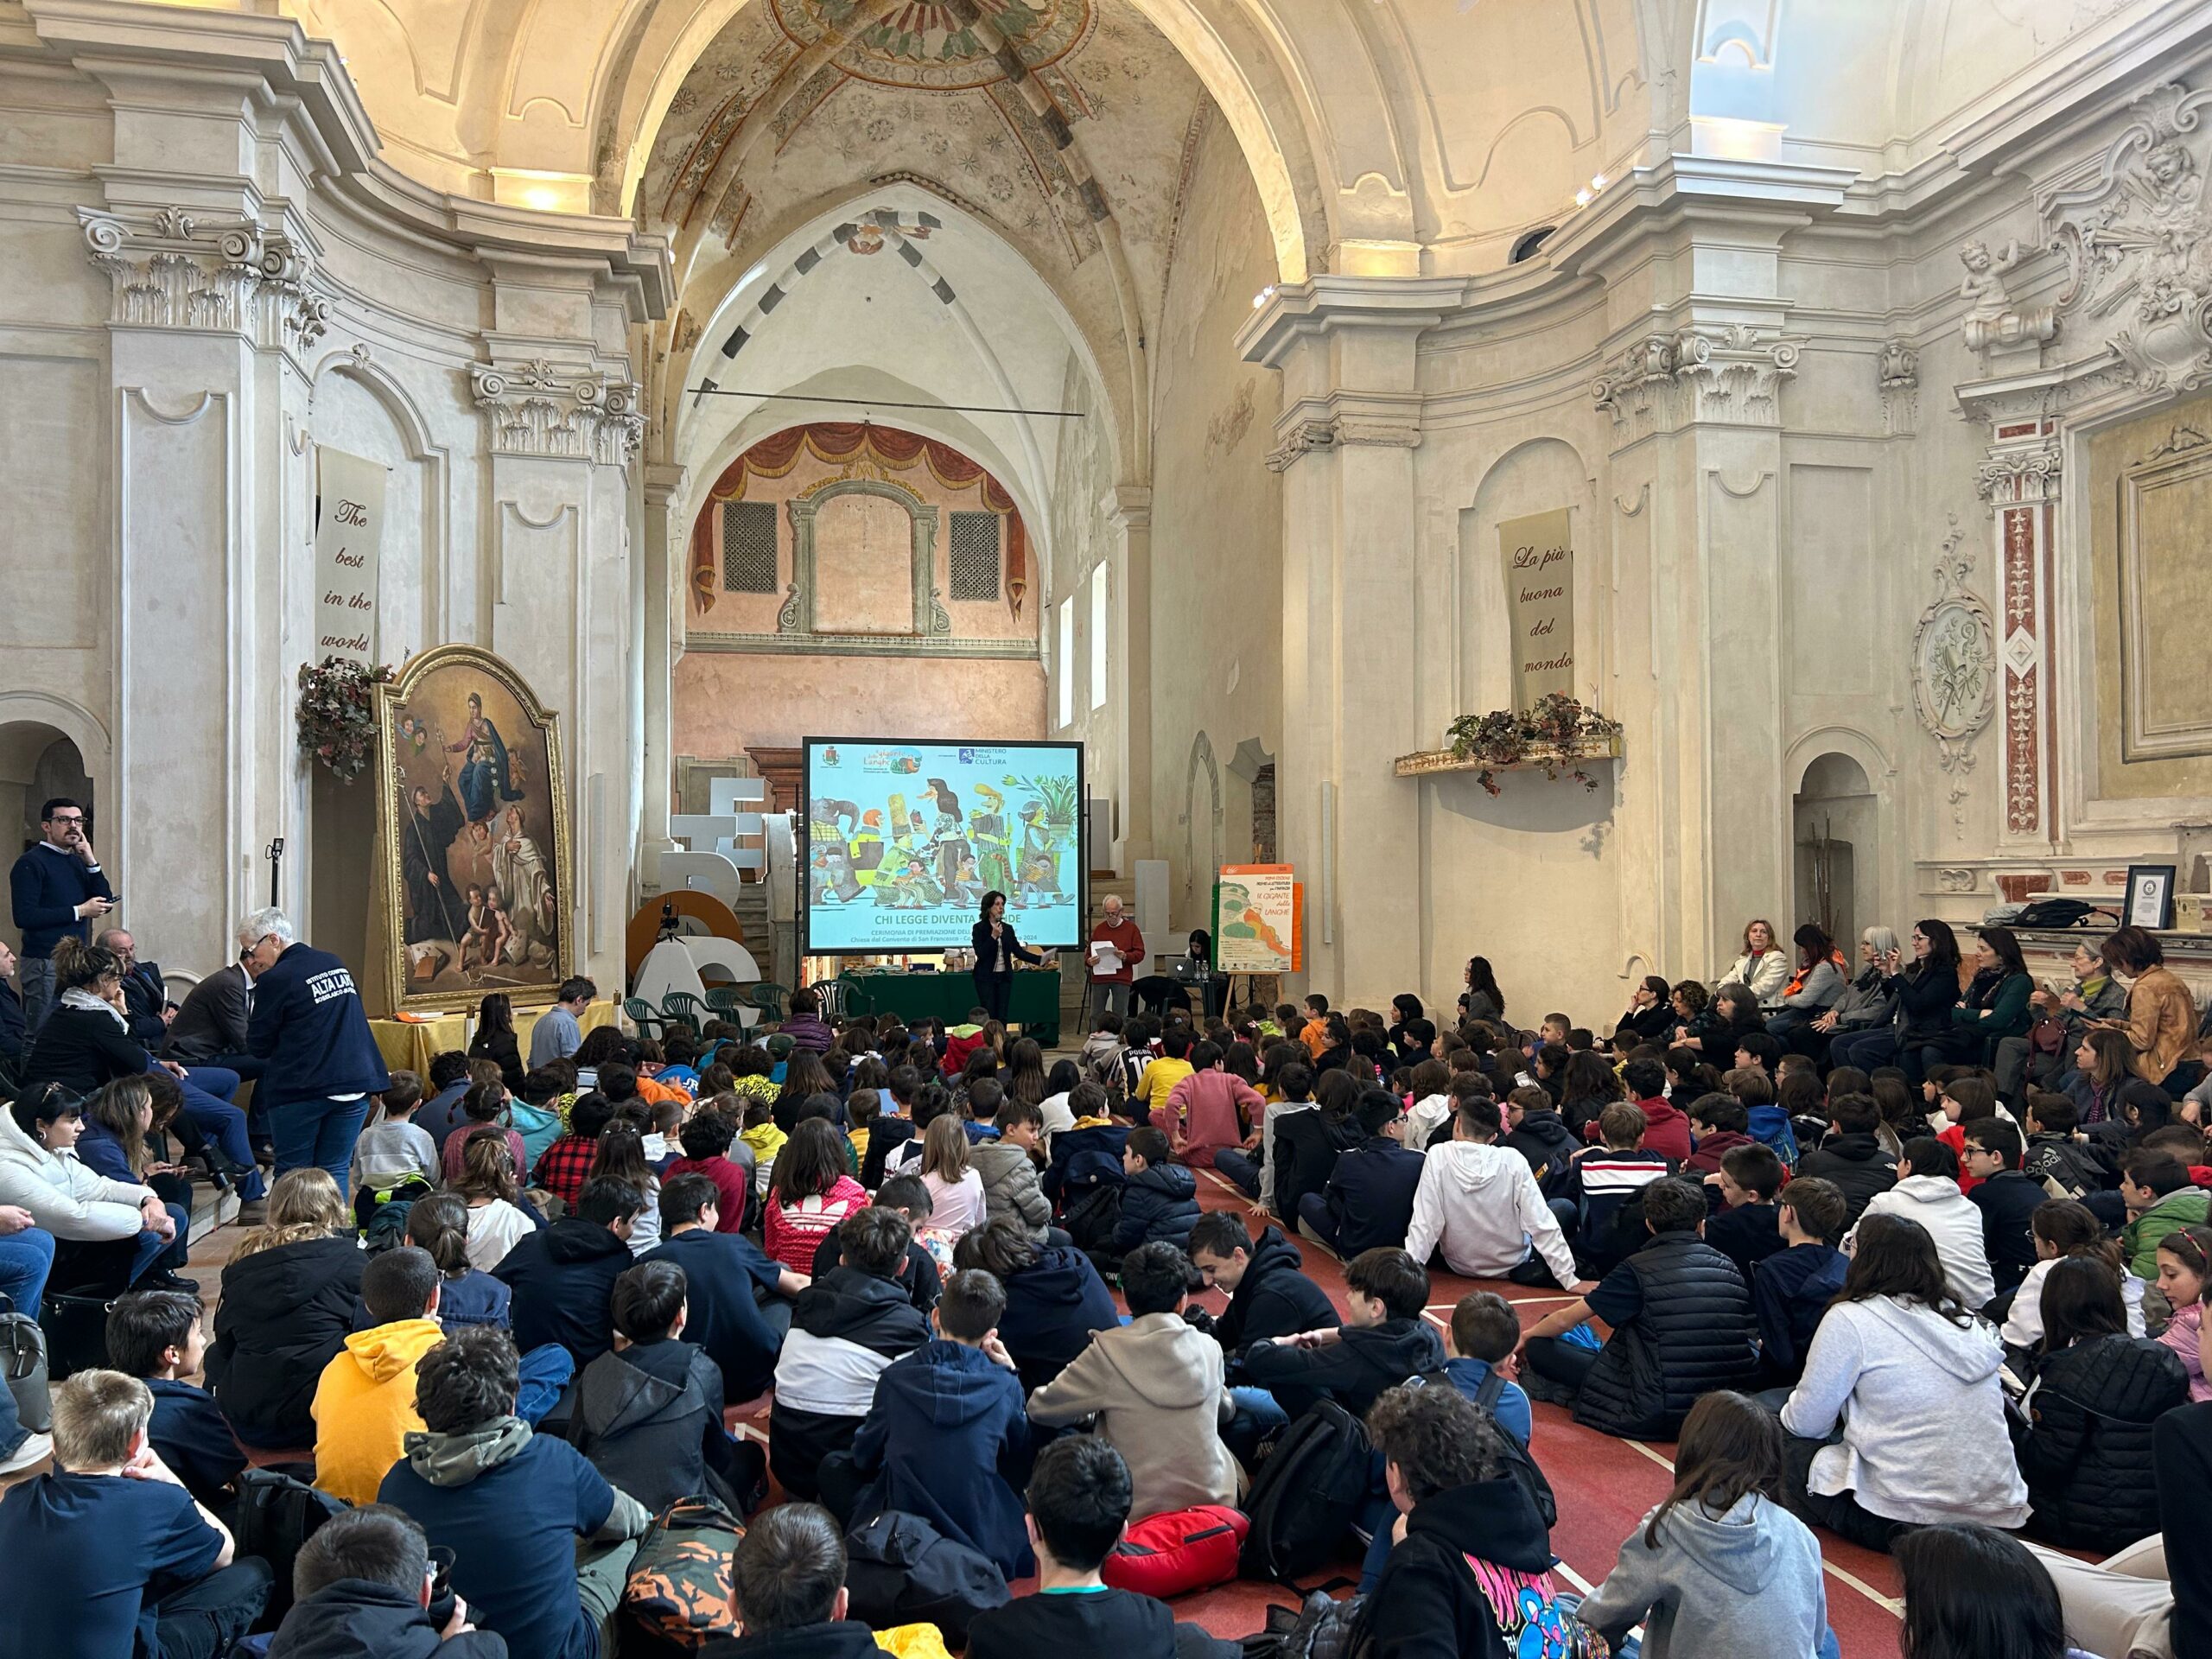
[212,1018]
[144,996]
[998,957]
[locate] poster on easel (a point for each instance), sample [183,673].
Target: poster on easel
[1255,919]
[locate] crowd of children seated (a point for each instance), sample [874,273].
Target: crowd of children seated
[1911,1254]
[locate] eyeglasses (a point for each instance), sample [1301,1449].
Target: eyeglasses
[66,817]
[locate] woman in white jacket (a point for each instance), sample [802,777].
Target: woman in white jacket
[1762,967]
[1928,1192]
[1912,1377]
[108,1234]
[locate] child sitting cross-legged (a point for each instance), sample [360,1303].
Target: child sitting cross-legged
[156,1336]
[946,1438]
[395,1154]
[1382,1341]
[1079,1499]
[1793,1288]
[1721,1566]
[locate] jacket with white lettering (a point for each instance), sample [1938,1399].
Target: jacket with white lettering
[308,1023]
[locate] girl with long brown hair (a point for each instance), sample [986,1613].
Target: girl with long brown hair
[488,1185]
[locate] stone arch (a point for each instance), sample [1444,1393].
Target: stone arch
[1202,830]
[1841,798]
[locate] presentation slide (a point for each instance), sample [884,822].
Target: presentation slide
[904,840]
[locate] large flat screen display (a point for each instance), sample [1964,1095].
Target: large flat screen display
[903,839]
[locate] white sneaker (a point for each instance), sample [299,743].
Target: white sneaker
[36,1448]
[227,1205]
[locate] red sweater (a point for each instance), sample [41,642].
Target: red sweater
[1665,1129]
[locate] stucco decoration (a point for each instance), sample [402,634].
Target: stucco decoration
[931,45]
[2137,245]
[1955,669]
[176,269]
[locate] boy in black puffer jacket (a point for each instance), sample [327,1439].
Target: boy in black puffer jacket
[1850,1156]
[1160,1197]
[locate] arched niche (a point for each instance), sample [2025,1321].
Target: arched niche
[1835,830]
[840,581]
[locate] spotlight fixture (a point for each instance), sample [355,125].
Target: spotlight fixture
[1261,298]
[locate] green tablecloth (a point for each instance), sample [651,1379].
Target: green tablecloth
[1034,1006]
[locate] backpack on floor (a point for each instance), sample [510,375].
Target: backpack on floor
[680,1594]
[23,1359]
[901,1570]
[1174,1554]
[1092,1216]
[1518,1461]
[387,1228]
[76,1333]
[1306,1494]
[276,1516]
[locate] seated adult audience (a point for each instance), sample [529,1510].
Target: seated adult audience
[561,1278]
[946,1438]
[1721,1566]
[1478,1202]
[788,1579]
[108,1554]
[1853,1156]
[210,1027]
[542,1544]
[286,1309]
[1382,1341]
[1930,1198]
[1368,1202]
[649,1411]
[1925,994]
[1079,1499]
[107,1236]
[1470,1572]
[725,1276]
[1912,1377]
[2087,1454]
[495,1040]
[1055,1301]
[1156,1387]
[848,1325]
[559,1031]
[156,1336]
[1792,1289]
[364,1403]
[1682,1326]
[2161,1021]
[322,1063]
[361,1588]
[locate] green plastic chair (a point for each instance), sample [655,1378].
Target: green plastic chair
[642,1015]
[682,1005]
[769,997]
[833,993]
[725,1000]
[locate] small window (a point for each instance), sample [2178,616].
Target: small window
[749,547]
[1066,655]
[1098,636]
[975,555]
[1529,242]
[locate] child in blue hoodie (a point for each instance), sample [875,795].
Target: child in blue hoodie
[947,1438]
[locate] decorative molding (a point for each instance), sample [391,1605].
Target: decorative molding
[1997,326]
[537,409]
[1342,420]
[171,269]
[2147,733]
[1731,375]
[1898,373]
[863,644]
[1952,878]
[795,619]
[1955,669]
[2133,237]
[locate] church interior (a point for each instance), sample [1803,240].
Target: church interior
[1542,481]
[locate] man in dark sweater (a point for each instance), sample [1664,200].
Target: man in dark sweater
[56,887]
[1079,1499]
[323,1064]
[1850,1156]
[563,1276]
[1369,1200]
[1384,1341]
[11,1012]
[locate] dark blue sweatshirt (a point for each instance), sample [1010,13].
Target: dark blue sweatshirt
[308,1023]
[947,1439]
[46,887]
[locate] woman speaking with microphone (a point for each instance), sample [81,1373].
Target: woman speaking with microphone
[996,950]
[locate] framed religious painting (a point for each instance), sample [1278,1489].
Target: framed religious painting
[473,825]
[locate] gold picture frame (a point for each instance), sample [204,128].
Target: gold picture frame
[465,729]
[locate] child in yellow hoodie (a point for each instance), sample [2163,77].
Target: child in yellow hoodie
[365,1403]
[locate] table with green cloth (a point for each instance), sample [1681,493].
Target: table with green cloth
[1034,1006]
[408,1045]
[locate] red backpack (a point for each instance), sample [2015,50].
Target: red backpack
[1174,1554]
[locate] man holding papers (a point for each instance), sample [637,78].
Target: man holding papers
[1117,947]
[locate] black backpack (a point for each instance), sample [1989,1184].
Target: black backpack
[1092,1214]
[276,1516]
[901,1570]
[76,1333]
[1518,1463]
[1308,1491]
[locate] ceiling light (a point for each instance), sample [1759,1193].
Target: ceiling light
[1263,296]
[1582,197]
[1597,183]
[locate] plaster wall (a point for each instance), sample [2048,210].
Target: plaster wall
[725,703]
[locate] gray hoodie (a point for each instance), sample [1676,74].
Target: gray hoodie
[1923,1437]
[1745,1582]
[1156,1386]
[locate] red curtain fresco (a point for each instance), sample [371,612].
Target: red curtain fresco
[835,442]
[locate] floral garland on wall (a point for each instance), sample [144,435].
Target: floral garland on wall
[1553,737]
[337,714]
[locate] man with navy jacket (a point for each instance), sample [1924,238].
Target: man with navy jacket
[323,1062]
[55,888]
